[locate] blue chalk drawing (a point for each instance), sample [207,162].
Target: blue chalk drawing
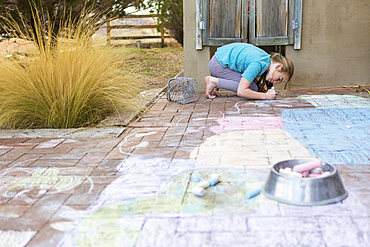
[336,101]
[339,136]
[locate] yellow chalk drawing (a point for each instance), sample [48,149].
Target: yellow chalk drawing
[248,149]
[41,179]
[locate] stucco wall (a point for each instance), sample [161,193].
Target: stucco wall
[335,45]
[195,61]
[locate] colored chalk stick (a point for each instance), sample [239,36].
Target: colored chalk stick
[196,178]
[315,175]
[305,173]
[213,181]
[253,193]
[307,166]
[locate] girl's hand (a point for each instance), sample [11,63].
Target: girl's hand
[271,94]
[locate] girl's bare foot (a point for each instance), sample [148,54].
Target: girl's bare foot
[211,85]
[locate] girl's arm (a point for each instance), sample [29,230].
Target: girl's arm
[245,92]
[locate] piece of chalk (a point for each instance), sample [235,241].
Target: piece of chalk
[198,191]
[213,181]
[290,174]
[213,175]
[272,88]
[325,174]
[316,170]
[203,184]
[288,168]
[196,178]
[253,193]
[315,175]
[305,173]
[307,166]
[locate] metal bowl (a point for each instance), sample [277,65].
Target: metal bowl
[304,191]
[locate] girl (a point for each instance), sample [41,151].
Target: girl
[247,70]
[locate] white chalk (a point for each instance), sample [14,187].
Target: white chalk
[203,184]
[272,88]
[290,173]
[316,170]
[325,174]
[288,168]
[307,166]
[198,191]
[213,175]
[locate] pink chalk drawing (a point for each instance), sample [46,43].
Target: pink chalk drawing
[246,123]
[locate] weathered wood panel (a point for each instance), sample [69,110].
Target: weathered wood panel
[225,18]
[272,18]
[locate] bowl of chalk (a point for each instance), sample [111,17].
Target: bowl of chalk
[306,182]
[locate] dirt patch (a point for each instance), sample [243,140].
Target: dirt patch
[154,67]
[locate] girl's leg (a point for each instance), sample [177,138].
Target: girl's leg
[227,78]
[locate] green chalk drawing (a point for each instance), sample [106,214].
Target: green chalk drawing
[193,209]
[120,223]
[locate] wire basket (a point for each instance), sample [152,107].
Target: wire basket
[183,90]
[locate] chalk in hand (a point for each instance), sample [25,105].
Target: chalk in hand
[272,88]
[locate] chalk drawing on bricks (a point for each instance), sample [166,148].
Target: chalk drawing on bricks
[37,182]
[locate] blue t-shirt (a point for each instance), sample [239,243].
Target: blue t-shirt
[245,58]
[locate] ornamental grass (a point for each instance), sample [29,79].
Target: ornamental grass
[65,82]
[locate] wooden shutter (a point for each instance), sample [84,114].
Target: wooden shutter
[221,22]
[271,22]
[275,22]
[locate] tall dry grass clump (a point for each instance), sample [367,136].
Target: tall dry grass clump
[65,82]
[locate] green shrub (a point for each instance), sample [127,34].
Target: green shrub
[66,83]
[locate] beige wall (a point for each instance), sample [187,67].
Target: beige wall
[335,45]
[195,61]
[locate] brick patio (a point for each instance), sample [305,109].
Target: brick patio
[131,186]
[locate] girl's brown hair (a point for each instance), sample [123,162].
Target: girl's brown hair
[288,68]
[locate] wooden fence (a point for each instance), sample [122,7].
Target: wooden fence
[110,27]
